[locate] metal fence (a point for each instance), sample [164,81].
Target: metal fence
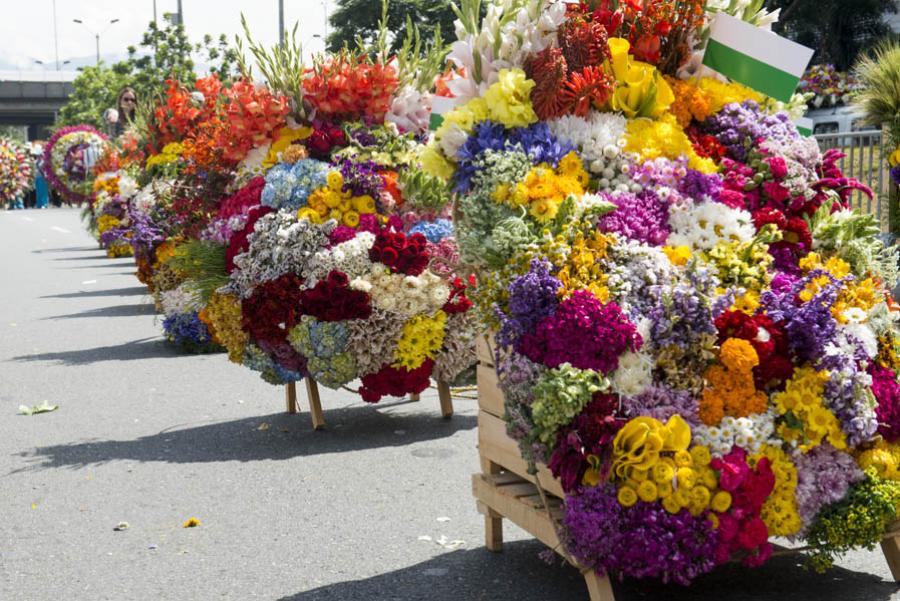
[865,160]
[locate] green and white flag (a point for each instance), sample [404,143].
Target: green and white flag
[440,106]
[804,126]
[757,58]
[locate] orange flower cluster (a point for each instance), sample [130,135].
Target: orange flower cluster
[730,389]
[251,117]
[691,103]
[347,87]
[180,114]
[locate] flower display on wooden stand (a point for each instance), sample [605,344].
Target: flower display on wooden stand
[693,344]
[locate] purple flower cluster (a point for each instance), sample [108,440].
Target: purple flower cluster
[532,297]
[809,326]
[536,141]
[582,332]
[517,376]
[643,217]
[823,476]
[642,541]
[887,393]
[700,186]
[845,395]
[361,177]
[682,313]
[739,127]
[661,402]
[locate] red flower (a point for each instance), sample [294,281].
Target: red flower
[401,253]
[332,299]
[646,48]
[245,198]
[777,166]
[458,302]
[272,310]
[395,381]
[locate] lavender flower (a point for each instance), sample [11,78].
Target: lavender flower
[532,297]
[661,403]
[740,127]
[823,476]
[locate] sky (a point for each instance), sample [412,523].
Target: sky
[26,26]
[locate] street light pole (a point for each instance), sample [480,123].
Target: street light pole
[55,36]
[96,35]
[281,23]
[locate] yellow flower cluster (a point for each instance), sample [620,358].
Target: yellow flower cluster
[110,185]
[808,421]
[730,389]
[286,137]
[748,302]
[860,295]
[224,313]
[580,270]
[421,339]
[330,202]
[678,255]
[719,93]
[119,250]
[544,189]
[509,99]
[889,351]
[107,222]
[641,90]
[779,512]
[171,152]
[653,463]
[652,139]
[884,458]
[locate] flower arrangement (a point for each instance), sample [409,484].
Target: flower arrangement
[15,171]
[69,158]
[694,332]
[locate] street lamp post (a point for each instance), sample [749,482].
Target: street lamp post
[96,35]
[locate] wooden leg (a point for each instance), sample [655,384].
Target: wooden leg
[290,397]
[489,467]
[493,533]
[446,400]
[414,396]
[315,405]
[599,589]
[891,549]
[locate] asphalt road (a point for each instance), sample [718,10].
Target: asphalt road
[377,507]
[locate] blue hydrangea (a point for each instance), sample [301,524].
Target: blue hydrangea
[434,231]
[289,186]
[186,330]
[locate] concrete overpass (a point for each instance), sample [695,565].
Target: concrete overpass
[32,98]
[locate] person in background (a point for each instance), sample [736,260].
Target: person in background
[126,103]
[41,187]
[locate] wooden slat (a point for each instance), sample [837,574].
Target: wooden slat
[600,589]
[536,523]
[891,549]
[315,404]
[495,445]
[490,397]
[484,345]
[519,489]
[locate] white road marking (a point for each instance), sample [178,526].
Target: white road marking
[24,218]
[89,282]
[61,230]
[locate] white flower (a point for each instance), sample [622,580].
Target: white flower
[634,374]
[183,299]
[702,226]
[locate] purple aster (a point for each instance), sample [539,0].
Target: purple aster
[661,402]
[740,127]
[823,476]
[643,217]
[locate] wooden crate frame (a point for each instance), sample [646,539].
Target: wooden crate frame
[505,490]
[315,402]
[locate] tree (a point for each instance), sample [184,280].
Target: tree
[166,52]
[95,90]
[360,18]
[838,30]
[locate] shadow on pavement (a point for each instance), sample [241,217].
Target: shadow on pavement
[478,574]
[67,249]
[284,437]
[132,290]
[112,263]
[111,311]
[87,258]
[144,348]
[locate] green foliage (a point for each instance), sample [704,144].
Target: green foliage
[360,20]
[95,90]
[203,263]
[163,52]
[879,76]
[559,395]
[837,32]
[424,192]
[281,66]
[859,520]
